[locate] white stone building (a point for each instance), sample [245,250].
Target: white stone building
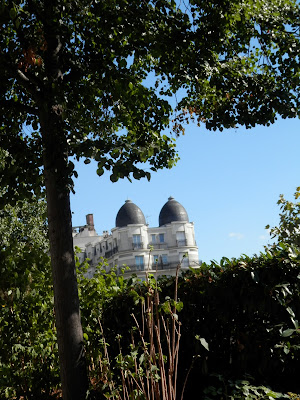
[134,244]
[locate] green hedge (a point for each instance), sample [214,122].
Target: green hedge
[245,309]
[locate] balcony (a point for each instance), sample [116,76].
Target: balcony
[182,242]
[164,266]
[139,245]
[156,245]
[110,253]
[135,268]
[154,267]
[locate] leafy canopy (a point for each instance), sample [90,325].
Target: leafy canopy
[288,230]
[111,70]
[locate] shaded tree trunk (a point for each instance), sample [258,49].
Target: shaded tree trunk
[69,330]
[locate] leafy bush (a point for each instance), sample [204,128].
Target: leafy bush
[28,356]
[240,390]
[246,311]
[142,371]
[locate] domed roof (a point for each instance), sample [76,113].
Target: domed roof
[172,211]
[129,213]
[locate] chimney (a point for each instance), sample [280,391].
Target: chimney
[90,222]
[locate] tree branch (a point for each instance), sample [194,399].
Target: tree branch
[30,83]
[9,104]
[27,83]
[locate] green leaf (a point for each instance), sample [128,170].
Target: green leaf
[288,332]
[290,311]
[203,342]
[13,13]
[114,178]
[100,171]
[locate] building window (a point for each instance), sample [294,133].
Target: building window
[139,263]
[180,238]
[153,238]
[161,238]
[136,241]
[164,259]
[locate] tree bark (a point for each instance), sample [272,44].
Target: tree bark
[69,330]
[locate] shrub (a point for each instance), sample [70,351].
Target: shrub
[244,308]
[28,356]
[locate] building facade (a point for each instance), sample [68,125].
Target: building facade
[142,248]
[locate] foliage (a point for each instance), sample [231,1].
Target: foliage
[89,63]
[144,371]
[288,230]
[245,309]
[238,317]
[241,57]
[241,389]
[75,83]
[28,357]
[94,294]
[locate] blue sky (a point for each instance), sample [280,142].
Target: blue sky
[229,183]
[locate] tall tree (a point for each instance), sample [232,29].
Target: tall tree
[95,79]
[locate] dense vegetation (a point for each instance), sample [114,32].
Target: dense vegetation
[243,309]
[236,321]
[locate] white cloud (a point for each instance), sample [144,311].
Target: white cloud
[263,237]
[236,235]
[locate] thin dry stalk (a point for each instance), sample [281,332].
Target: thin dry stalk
[143,378]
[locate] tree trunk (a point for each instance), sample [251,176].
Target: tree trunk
[69,330]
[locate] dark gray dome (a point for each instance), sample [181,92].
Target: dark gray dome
[172,211]
[129,213]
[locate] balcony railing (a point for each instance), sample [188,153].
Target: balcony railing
[109,253]
[135,268]
[139,245]
[154,267]
[182,242]
[155,245]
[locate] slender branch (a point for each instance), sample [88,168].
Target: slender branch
[28,82]
[25,81]
[24,44]
[9,104]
